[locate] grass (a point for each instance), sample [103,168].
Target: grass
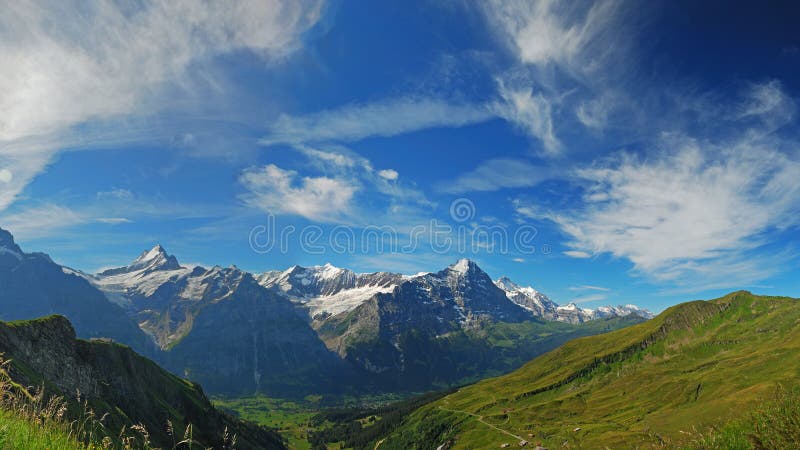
[18,432]
[697,365]
[291,418]
[32,420]
[775,424]
[327,422]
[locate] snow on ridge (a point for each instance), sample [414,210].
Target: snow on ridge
[8,251]
[345,300]
[527,296]
[462,266]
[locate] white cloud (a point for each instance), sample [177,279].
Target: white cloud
[389,174]
[695,207]
[278,191]
[542,34]
[39,221]
[73,62]
[595,113]
[766,99]
[340,162]
[589,298]
[531,112]
[768,103]
[554,32]
[342,185]
[338,157]
[567,57]
[6,176]
[587,287]
[497,174]
[577,254]
[115,194]
[113,220]
[386,118]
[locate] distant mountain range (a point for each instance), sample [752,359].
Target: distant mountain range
[303,329]
[327,291]
[540,305]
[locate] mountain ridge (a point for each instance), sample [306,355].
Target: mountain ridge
[318,329]
[693,366]
[118,384]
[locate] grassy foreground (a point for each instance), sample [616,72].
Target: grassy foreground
[660,384]
[19,432]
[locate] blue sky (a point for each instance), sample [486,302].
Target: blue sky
[649,151]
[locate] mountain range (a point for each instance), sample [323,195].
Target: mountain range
[303,330]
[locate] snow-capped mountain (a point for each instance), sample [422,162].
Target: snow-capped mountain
[141,278]
[623,310]
[327,290]
[542,306]
[375,334]
[299,328]
[218,325]
[529,298]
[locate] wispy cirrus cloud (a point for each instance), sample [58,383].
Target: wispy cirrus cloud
[530,111]
[589,298]
[587,287]
[693,211]
[542,35]
[578,254]
[42,220]
[697,209]
[565,73]
[71,63]
[385,118]
[497,174]
[553,32]
[685,207]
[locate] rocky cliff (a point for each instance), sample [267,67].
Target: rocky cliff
[115,380]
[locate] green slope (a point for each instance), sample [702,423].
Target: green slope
[117,384]
[19,432]
[695,365]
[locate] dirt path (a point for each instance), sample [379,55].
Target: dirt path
[480,419]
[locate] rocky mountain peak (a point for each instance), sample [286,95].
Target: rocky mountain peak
[464,266]
[151,260]
[7,242]
[506,284]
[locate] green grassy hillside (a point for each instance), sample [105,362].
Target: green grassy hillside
[20,432]
[124,389]
[696,365]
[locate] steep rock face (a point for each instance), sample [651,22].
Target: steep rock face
[117,381]
[254,341]
[386,332]
[32,285]
[325,291]
[531,299]
[220,327]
